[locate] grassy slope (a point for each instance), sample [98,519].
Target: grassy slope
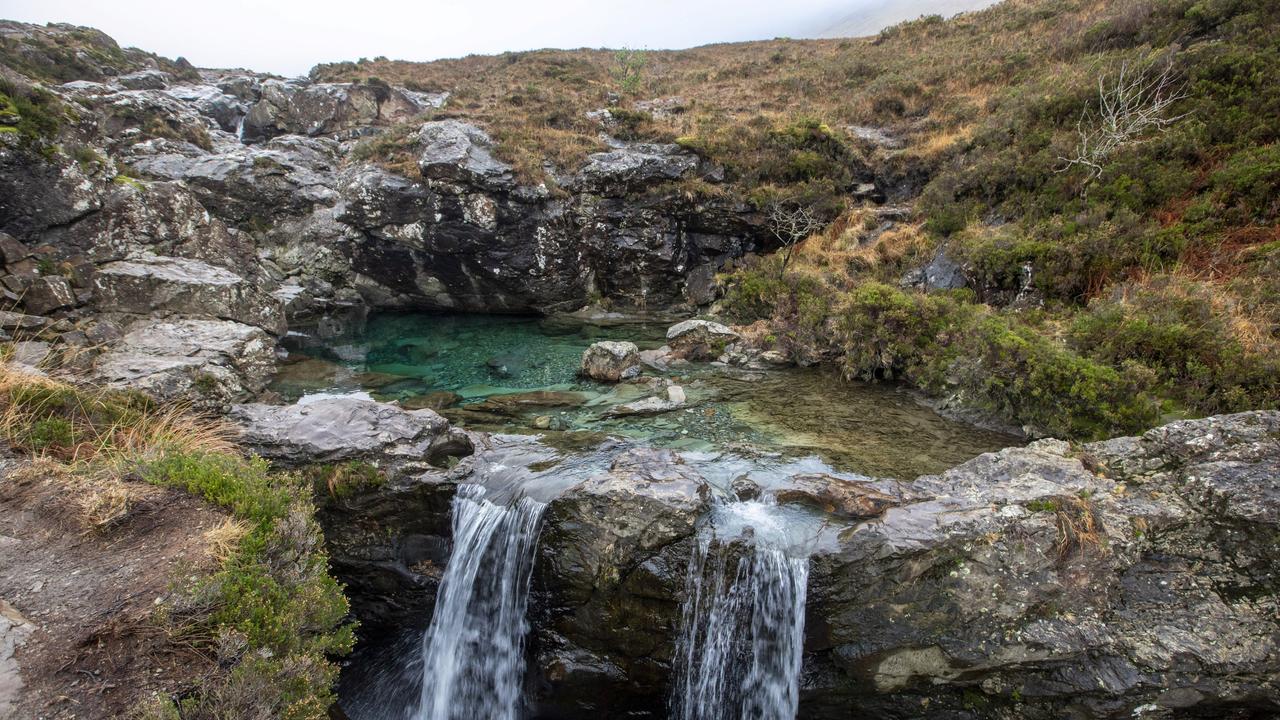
[269,614]
[1159,279]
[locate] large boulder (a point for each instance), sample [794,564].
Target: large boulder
[153,284]
[1130,578]
[340,428]
[610,361]
[699,340]
[454,150]
[210,363]
[605,608]
[250,187]
[300,107]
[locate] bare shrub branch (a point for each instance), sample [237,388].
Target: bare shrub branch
[790,223]
[1130,107]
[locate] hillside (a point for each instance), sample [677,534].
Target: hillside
[1148,292]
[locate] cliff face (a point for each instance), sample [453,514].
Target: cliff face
[255,175]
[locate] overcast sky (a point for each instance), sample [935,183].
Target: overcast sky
[289,36]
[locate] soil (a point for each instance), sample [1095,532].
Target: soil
[82,602]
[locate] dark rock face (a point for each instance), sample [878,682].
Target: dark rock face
[1136,580]
[605,608]
[389,545]
[470,237]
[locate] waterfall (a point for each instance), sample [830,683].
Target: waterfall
[473,651]
[742,634]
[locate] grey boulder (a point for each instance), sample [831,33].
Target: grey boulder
[338,428]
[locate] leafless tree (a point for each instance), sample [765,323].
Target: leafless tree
[790,223]
[1132,106]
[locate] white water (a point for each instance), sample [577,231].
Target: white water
[742,634]
[473,651]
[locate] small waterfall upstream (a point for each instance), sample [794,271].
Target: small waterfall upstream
[473,651]
[742,634]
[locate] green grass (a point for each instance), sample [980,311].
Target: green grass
[271,598]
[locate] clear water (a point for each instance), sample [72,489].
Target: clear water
[742,621]
[473,651]
[479,372]
[741,637]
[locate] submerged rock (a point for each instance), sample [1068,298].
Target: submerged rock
[843,498]
[338,428]
[610,361]
[672,398]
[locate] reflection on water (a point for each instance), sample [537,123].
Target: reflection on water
[518,375]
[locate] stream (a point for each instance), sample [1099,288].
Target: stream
[739,645]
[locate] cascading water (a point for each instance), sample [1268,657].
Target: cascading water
[742,632]
[473,651]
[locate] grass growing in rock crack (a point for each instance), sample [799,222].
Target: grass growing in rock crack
[270,612]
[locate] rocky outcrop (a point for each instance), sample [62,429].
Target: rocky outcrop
[210,363]
[300,107]
[1132,578]
[339,428]
[610,361]
[610,568]
[163,286]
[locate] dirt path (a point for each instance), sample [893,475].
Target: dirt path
[77,606]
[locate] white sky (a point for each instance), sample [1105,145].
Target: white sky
[289,36]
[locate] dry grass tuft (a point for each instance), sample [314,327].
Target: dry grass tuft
[224,539]
[1079,528]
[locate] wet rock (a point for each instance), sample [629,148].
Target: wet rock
[338,428]
[611,564]
[672,398]
[437,400]
[549,422]
[208,362]
[514,404]
[843,498]
[744,488]
[169,285]
[610,361]
[943,273]
[43,190]
[1043,581]
[699,340]
[388,543]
